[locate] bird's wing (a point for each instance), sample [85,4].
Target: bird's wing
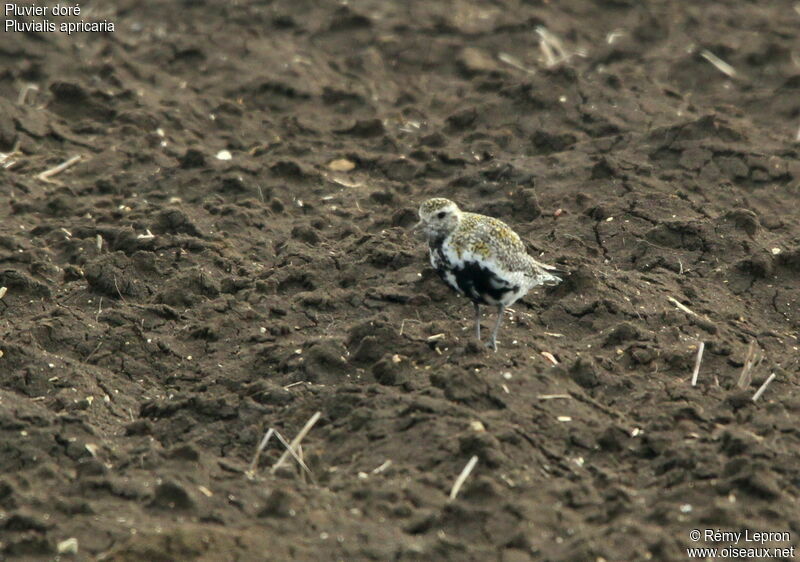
[500,234]
[491,241]
[494,243]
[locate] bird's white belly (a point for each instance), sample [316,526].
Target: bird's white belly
[480,279]
[450,278]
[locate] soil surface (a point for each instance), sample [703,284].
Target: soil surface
[232,253]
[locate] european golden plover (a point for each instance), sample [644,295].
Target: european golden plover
[480,257]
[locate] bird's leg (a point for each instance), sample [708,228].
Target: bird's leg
[477,321]
[501,308]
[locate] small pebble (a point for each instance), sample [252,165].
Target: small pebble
[68,546]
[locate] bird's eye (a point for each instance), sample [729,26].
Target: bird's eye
[441,214]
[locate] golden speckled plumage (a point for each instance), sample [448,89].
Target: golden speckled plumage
[489,238]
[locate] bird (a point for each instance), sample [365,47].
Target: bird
[480,257]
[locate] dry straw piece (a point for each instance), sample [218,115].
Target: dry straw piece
[553,396]
[682,306]
[463,477]
[719,64]
[514,62]
[550,357]
[750,359]
[382,467]
[551,46]
[47,174]
[254,463]
[295,442]
[296,452]
[763,387]
[23,93]
[697,362]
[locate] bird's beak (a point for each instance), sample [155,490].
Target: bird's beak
[418,230]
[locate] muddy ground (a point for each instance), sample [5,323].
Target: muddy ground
[231,253]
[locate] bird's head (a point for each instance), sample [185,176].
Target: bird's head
[438,217]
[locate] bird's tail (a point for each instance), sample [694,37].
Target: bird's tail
[550,278]
[548,274]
